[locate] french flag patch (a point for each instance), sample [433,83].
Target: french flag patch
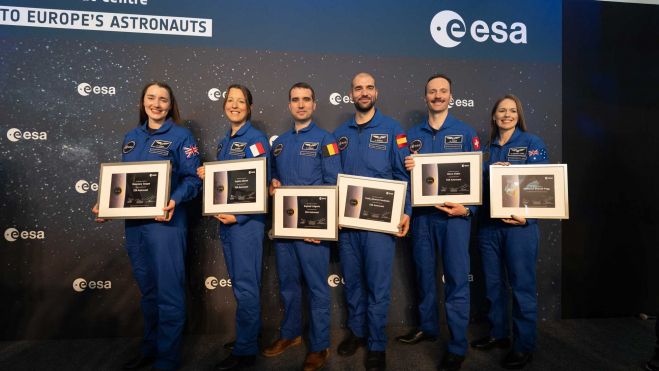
[257,149]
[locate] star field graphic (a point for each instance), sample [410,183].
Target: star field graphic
[40,92]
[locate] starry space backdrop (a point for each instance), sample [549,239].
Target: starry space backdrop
[48,182]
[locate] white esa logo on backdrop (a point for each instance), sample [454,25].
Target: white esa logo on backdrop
[334,280]
[15,135]
[81,284]
[86,89]
[212,283]
[448,29]
[336,99]
[82,186]
[13,234]
[460,103]
[216,94]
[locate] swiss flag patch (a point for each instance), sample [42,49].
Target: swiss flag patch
[476,143]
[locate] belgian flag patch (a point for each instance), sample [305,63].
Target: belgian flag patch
[330,150]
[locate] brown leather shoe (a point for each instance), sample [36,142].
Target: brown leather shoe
[316,360]
[280,345]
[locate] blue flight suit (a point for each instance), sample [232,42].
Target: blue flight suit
[509,252]
[375,149]
[302,158]
[157,249]
[433,230]
[242,243]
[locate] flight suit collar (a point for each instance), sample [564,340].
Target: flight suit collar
[240,131]
[162,129]
[375,121]
[449,122]
[516,134]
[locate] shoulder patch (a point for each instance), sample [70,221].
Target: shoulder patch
[416,145]
[278,148]
[476,143]
[401,140]
[128,146]
[342,143]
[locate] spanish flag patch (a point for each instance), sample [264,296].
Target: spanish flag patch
[401,140]
[330,150]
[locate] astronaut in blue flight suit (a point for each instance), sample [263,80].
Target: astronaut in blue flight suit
[304,155]
[444,228]
[371,145]
[509,247]
[157,248]
[242,235]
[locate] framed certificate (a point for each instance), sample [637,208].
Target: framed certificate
[371,204]
[236,187]
[133,190]
[531,191]
[305,212]
[440,177]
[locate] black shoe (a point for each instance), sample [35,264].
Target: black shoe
[233,362]
[516,360]
[350,345]
[375,361]
[230,345]
[416,336]
[653,364]
[139,362]
[489,342]
[451,362]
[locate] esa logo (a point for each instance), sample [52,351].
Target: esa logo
[81,284]
[13,234]
[212,283]
[337,98]
[216,94]
[334,280]
[85,89]
[15,135]
[448,28]
[460,103]
[82,186]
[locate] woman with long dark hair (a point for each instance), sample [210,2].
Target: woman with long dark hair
[509,247]
[242,235]
[157,248]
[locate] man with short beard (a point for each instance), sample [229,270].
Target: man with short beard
[371,145]
[304,155]
[443,228]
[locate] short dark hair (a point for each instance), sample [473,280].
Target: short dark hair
[438,76]
[173,112]
[521,123]
[302,85]
[246,93]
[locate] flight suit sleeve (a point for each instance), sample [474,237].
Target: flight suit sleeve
[474,146]
[330,160]
[274,173]
[536,154]
[189,183]
[258,147]
[399,151]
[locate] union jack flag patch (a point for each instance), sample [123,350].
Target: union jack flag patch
[191,151]
[534,152]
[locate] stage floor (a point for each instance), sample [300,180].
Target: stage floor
[590,344]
